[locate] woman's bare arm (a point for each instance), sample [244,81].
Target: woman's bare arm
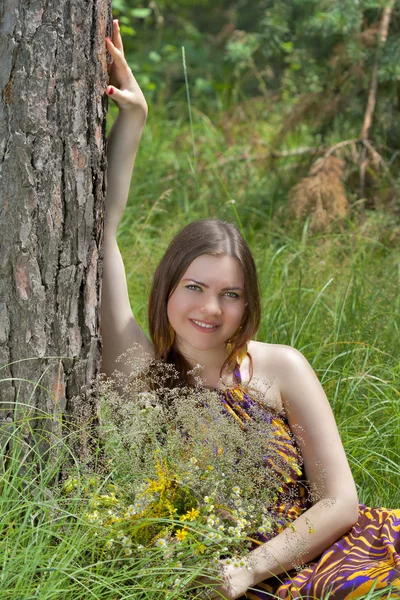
[335,508]
[118,325]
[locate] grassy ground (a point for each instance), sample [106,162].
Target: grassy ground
[334,296]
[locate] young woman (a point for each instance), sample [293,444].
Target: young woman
[204,309]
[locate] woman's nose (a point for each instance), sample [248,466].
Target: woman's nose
[211,306]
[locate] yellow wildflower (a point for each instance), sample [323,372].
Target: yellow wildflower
[192,514]
[200,549]
[70,484]
[181,534]
[171,509]
[108,500]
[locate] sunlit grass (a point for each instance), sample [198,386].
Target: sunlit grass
[334,296]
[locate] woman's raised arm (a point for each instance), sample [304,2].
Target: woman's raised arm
[118,326]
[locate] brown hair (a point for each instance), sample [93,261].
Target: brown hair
[216,238]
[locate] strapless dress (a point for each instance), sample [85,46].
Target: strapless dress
[367,557]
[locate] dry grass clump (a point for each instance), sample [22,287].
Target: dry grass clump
[321,194]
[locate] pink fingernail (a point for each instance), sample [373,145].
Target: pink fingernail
[107,38]
[111,91]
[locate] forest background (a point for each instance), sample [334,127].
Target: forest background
[258,115]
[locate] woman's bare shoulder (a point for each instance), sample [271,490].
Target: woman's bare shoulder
[271,365]
[273,355]
[268,363]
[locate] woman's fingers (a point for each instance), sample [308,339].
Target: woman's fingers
[118,70]
[113,50]
[116,37]
[123,87]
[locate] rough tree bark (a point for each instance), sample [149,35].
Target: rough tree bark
[53,74]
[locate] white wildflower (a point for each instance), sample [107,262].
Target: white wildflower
[126,542]
[161,543]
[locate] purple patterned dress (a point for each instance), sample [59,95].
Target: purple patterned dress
[367,557]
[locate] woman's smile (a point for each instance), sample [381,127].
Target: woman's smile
[203,326]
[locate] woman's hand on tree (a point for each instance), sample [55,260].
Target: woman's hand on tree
[123,88]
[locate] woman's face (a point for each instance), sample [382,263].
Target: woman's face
[208,304]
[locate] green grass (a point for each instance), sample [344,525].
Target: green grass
[334,296]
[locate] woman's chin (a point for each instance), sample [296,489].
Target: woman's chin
[192,346]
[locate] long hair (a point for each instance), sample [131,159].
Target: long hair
[216,238]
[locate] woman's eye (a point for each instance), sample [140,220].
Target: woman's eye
[197,288]
[191,286]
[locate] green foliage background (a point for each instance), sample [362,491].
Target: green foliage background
[270,77]
[269,86]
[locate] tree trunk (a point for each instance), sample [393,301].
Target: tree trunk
[53,75]
[382,37]
[369,111]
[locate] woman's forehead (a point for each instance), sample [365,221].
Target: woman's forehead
[225,271]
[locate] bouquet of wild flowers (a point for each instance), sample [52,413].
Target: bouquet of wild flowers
[193,485]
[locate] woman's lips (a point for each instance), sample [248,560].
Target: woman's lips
[204,329]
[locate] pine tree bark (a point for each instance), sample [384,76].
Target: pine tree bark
[53,75]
